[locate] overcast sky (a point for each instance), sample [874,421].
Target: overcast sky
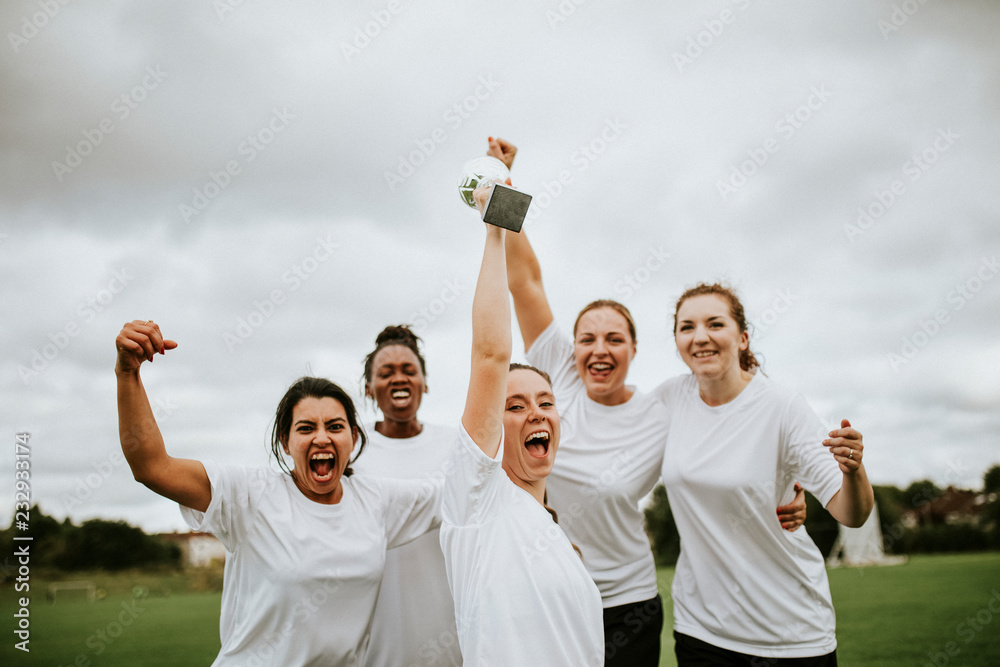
[273,184]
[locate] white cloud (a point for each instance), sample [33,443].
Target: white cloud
[425,91]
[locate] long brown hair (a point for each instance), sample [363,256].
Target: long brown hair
[747,360]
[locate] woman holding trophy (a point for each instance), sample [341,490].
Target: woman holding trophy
[522,595]
[612,454]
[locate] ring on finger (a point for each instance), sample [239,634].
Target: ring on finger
[851,455]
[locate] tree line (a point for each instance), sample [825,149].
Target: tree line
[98,544]
[95,544]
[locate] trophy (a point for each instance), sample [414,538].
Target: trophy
[506,207]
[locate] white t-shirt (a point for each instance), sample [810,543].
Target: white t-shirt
[522,596]
[301,577]
[609,458]
[414,622]
[742,582]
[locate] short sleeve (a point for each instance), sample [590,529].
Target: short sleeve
[230,513]
[552,352]
[809,462]
[412,508]
[474,483]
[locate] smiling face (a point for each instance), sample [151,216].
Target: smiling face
[531,426]
[708,338]
[604,348]
[320,443]
[397,383]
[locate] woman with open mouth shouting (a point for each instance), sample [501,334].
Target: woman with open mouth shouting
[522,595]
[612,452]
[305,547]
[414,619]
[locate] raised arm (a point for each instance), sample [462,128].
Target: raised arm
[181,480]
[853,503]
[491,344]
[524,275]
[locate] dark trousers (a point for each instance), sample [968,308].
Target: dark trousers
[632,634]
[693,652]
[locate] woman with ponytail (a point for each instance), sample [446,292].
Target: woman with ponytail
[744,592]
[612,451]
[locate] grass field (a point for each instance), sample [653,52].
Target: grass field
[934,610]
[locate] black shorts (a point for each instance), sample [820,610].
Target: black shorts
[632,634]
[693,652]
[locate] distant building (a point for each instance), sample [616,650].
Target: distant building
[197,549]
[954,506]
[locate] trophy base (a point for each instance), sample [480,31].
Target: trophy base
[506,207]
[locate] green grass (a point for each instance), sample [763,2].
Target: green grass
[166,625]
[909,615]
[121,630]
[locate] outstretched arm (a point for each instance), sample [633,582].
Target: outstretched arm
[524,274]
[181,480]
[491,344]
[853,503]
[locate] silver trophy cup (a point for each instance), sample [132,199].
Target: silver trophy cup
[506,206]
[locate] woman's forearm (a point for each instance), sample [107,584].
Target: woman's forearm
[853,503]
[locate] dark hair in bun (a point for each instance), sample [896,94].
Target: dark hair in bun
[399,334]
